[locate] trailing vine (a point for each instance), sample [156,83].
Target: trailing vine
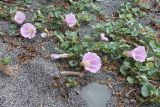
[113,38]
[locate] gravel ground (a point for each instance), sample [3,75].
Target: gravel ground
[32,86]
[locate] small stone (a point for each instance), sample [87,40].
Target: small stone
[96,94]
[43,35]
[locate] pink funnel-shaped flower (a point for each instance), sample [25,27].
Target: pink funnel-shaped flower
[19,17]
[28,30]
[92,62]
[70,19]
[138,54]
[57,56]
[103,37]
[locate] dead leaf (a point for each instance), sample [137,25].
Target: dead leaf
[10,70]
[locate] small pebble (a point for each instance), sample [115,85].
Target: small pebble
[43,35]
[96,94]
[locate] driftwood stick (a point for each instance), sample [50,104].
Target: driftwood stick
[72,73]
[154,83]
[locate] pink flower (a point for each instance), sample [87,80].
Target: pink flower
[138,54]
[28,30]
[102,35]
[91,62]
[57,56]
[19,17]
[70,19]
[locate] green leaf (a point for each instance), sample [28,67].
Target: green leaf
[65,44]
[130,80]
[12,30]
[28,1]
[12,10]
[127,64]
[72,36]
[73,63]
[146,4]
[38,25]
[158,92]
[59,35]
[123,69]
[144,91]
[2,33]
[125,46]
[71,82]
[149,65]
[134,32]
[6,60]
[152,71]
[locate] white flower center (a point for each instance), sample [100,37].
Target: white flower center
[30,30]
[86,63]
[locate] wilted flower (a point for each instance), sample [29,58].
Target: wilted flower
[70,19]
[19,17]
[91,62]
[103,37]
[138,54]
[57,56]
[28,30]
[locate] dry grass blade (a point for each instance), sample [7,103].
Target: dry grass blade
[10,70]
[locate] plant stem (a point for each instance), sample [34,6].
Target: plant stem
[127,95]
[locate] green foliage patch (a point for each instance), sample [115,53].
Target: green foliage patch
[124,33]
